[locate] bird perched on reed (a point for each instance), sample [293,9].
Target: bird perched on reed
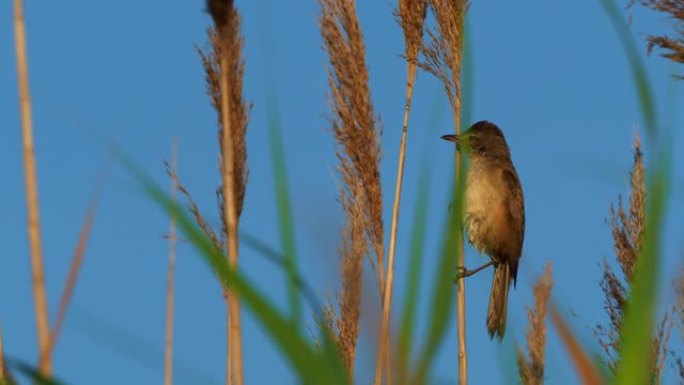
[494,212]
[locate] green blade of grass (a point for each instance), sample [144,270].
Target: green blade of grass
[443,290]
[312,367]
[285,220]
[413,276]
[637,331]
[639,75]
[31,372]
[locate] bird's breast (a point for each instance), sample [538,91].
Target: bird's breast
[484,207]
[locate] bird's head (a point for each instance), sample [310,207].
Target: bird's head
[481,139]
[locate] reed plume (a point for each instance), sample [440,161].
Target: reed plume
[353,125]
[224,67]
[531,365]
[442,57]
[627,228]
[671,47]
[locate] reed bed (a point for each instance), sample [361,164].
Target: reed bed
[434,35]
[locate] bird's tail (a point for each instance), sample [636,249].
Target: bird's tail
[498,301]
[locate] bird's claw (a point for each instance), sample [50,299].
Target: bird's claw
[462,272]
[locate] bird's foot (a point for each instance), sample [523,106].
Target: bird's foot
[464,273]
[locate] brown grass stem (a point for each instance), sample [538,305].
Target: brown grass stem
[37,275]
[74,270]
[232,111]
[411,15]
[230,212]
[170,277]
[442,53]
[382,359]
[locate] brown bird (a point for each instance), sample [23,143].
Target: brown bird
[494,212]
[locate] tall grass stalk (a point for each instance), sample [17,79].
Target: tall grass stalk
[443,54]
[412,16]
[31,180]
[228,45]
[170,276]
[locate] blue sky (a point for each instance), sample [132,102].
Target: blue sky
[552,75]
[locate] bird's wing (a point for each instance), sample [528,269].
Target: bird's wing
[515,202]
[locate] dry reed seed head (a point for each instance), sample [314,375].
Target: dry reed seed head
[352,251]
[627,229]
[220,11]
[229,45]
[194,209]
[442,50]
[412,15]
[531,368]
[353,119]
[673,48]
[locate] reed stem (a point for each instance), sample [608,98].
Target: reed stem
[37,275]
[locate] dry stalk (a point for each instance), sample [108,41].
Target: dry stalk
[627,228]
[227,43]
[673,47]
[531,366]
[170,277]
[358,152]
[442,53]
[411,15]
[39,295]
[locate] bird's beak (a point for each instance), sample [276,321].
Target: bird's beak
[451,138]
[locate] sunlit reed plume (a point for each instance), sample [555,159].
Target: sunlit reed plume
[531,365]
[627,228]
[224,67]
[353,124]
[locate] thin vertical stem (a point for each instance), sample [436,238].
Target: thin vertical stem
[39,295]
[460,293]
[460,264]
[170,277]
[383,354]
[234,334]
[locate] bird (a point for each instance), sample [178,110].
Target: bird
[493,213]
